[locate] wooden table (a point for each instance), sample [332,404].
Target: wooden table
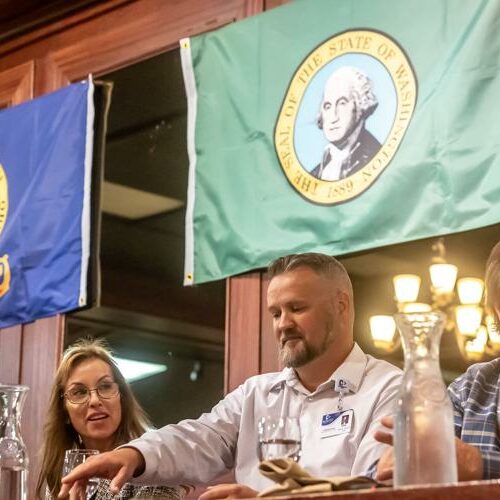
[472,490]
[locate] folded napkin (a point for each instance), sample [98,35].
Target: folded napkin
[292,478]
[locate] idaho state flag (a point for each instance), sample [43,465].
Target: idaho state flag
[46,157]
[338,126]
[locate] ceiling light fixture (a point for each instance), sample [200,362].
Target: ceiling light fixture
[134,370]
[130,203]
[473,327]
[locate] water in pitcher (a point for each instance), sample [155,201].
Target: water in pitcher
[13,483]
[424,441]
[423,430]
[13,454]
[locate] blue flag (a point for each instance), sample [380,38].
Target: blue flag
[46,148]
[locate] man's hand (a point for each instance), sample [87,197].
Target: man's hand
[385,435]
[385,466]
[469,461]
[469,458]
[78,492]
[118,465]
[228,491]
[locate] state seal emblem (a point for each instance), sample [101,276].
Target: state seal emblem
[4,208]
[344,115]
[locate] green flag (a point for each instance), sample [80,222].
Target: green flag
[340,125]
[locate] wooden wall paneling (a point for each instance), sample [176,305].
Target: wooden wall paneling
[41,351]
[10,354]
[271,4]
[253,7]
[268,346]
[243,317]
[16,84]
[62,19]
[131,32]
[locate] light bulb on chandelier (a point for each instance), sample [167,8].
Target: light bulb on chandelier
[474,330]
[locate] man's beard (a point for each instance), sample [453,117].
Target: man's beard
[302,352]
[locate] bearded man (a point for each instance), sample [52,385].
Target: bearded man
[337,392]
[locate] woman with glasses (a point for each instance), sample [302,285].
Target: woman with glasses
[92,407]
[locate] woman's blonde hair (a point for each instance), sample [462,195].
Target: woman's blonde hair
[492,280]
[59,434]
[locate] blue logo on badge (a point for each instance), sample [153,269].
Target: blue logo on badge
[329,418]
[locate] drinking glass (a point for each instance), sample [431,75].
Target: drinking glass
[73,458]
[279,437]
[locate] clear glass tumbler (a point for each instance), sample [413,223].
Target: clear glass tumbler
[279,437]
[73,458]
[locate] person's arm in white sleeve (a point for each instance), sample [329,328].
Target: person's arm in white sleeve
[369,449]
[192,451]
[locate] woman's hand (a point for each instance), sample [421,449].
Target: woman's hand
[117,465]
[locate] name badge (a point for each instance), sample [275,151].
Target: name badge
[333,424]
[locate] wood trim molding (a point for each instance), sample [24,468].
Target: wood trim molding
[65,22]
[131,32]
[10,354]
[243,318]
[41,352]
[271,4]
[253,7]
[16,84]
[268,346]
[146,28]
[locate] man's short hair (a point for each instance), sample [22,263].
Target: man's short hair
[361,90]
[322,264]
[492,278]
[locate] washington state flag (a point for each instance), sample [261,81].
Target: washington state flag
[338,126]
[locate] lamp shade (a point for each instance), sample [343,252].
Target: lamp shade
[406,287]
[470,290]
[473,347]
[478,345]
[383,328]
[482,335]
[416,307]
[468,318]
[443,277]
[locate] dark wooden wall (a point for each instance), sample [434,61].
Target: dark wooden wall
[250,344]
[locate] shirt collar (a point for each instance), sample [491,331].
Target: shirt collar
[285,375]
[351,371]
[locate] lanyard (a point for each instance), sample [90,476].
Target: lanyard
[341,386]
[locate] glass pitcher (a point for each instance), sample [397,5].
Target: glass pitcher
[13,453]
[424,441]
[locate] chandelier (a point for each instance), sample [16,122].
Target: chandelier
[461,300]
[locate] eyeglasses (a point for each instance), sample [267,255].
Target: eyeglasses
[81,394]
